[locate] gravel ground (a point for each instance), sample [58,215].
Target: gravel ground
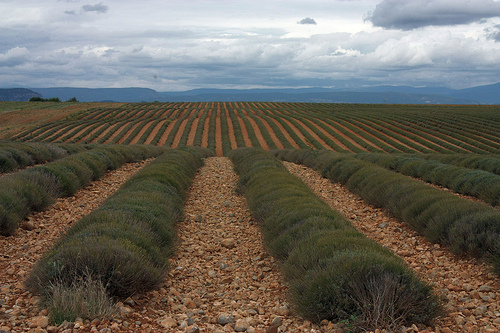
[20,251]
[222,279]
[470,292]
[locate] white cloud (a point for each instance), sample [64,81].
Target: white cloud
[220,43]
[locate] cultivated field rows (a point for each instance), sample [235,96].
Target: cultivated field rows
[226,126]
[222,268]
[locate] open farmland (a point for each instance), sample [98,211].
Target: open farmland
[366,218]
[225,126]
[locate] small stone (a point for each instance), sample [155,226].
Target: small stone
[282,311]
[227,204]
[193,329]
[39,322]
[241,325]
[229,243]
[383,225]
[225,319]
[212,274]
[484,289]
[446,330]
[168,322]
[277,322]
[272,329]
[190,304]
[28,225]
[52,329]
[227,280]
[198,218]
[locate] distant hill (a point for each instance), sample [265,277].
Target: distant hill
[489,94]
[100,94]
[17,94]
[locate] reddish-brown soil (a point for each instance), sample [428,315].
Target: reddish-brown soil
[165,134]
[244,132]
[353,133]
[141,132]
[206,129]
[394,138]
[117,131]
[470,292]
[13,122]
[230,128]
[328,135]
[53,136]
[180,130]
[218,133]
[273,136]
[194,127]
[314,135]
[298,133]
[129,132]
[86,137]
[353,124]
[258,133]
[343,134]
[438,139]
[397,134]
[155,130]
[285,133]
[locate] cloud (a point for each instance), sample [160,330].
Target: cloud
[98,8]
[13,57]
[70,12]
[412,14]
[307,20]
[493,33]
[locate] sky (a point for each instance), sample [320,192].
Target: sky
[187,44]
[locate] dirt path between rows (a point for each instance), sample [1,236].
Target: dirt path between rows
[181,128]
[165,134]
[206,129]
[141,132]
[155,131]
[129,132]
[194,127]
[471,292]
[218,133]
[395,134]
[116,132]
[336,130]
[244,132]
[257,132]
[328,135]
[230,128]
[273,136]
[314,135]
[285,133]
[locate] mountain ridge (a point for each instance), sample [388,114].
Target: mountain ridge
[384,94]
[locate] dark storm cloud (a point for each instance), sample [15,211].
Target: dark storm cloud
[412,14]
[307,20]
[99,8]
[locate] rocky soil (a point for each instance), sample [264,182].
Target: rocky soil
[470,292]
[222,279]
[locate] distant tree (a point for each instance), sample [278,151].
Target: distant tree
[36,99]
[72,99]
[53,99]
